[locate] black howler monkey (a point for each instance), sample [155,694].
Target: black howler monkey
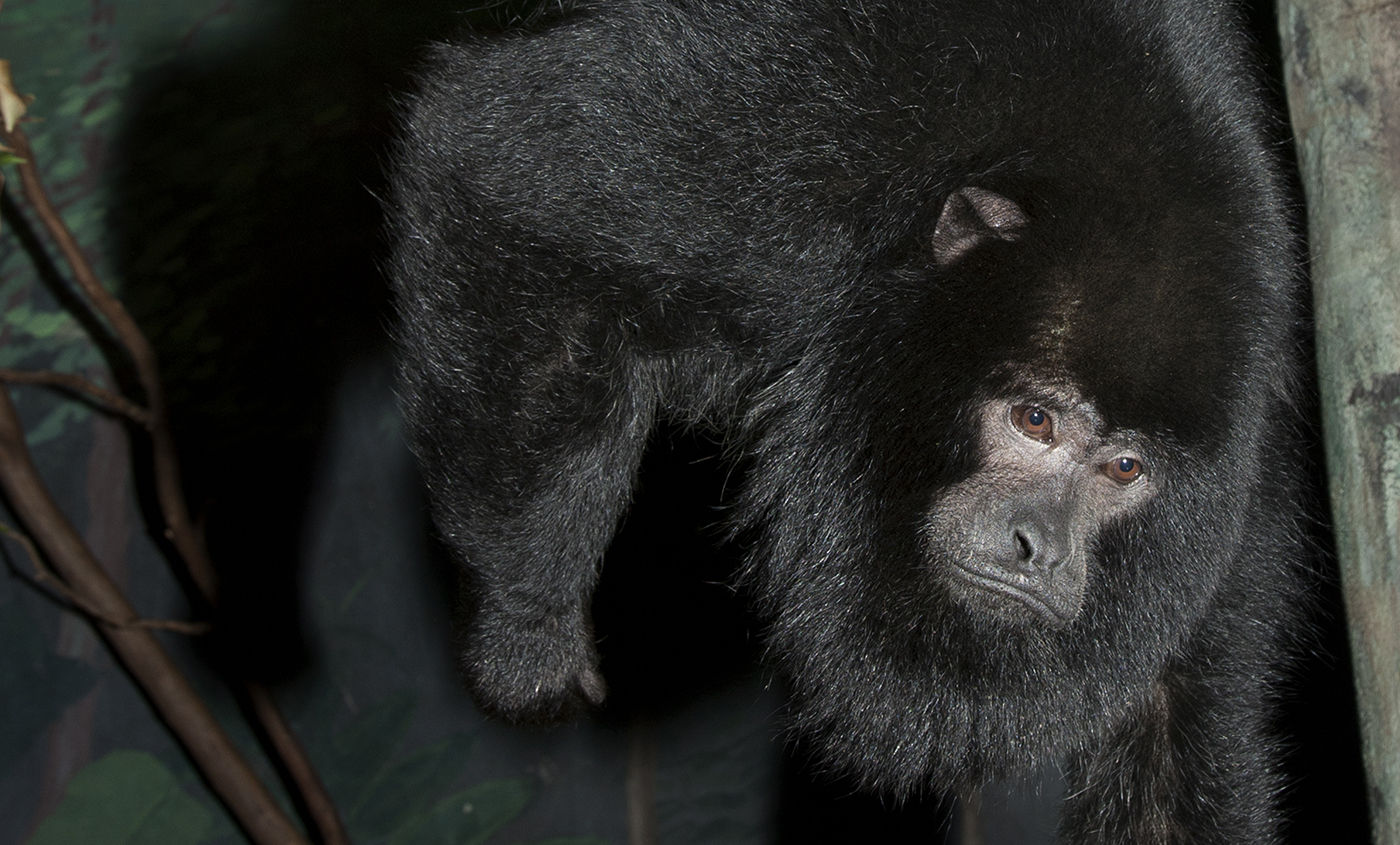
[997,301]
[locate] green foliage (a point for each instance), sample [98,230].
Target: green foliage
[50,334]
[126,798]
[405,789]
[386,797]
[35,684]
[363,748]
[468,817]
[69,58]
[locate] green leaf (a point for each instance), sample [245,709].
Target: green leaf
[468,817]
[48,323]
[55,422]
[576,840]
[126,798]
[16,315]
[366,746]
[36,685]
[406,789]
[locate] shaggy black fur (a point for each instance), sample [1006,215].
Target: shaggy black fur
[724,212]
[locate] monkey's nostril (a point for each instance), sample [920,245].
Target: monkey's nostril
[1025,550]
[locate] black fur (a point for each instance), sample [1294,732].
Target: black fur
[724,212]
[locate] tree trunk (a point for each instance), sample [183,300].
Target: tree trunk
[1343,69]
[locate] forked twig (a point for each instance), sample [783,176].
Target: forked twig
[108,399]
[43,576]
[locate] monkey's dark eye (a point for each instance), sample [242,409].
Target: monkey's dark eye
[1033,422]
[1123,470]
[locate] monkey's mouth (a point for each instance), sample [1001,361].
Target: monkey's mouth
[1031,593]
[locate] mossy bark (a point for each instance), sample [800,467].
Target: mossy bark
[1343,68]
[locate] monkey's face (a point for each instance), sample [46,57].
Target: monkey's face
[1015,538]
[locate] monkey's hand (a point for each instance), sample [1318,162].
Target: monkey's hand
[532,668]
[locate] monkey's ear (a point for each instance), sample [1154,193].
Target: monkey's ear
[973,216]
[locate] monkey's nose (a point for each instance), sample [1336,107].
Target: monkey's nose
[1037,546]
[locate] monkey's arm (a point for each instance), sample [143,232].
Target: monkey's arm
[1194,763]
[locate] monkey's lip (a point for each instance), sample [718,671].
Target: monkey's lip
[1021,593]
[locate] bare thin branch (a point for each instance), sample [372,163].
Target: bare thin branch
[108,399]
[318,801]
